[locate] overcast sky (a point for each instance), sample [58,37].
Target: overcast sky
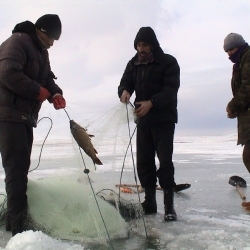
[97,42]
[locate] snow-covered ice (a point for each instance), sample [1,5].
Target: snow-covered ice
[210,215]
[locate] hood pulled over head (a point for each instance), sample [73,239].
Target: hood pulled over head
[147,34]
[25,27]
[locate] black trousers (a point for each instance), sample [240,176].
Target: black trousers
[149,142]
[16,141]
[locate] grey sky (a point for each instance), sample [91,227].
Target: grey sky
[97,42]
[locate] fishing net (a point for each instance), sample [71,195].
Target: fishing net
[64,204]
[128,208]
[3,208]
[66,208]
[113,132]
[111,128]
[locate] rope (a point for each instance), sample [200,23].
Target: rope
[39,158]
[123,165]
[66,113]
[86,171]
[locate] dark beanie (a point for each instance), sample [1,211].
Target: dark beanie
[50,24]
[146,34]
[232,41]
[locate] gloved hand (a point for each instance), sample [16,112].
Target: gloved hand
[58,101]
[43,94]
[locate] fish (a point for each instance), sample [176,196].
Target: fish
[83,139]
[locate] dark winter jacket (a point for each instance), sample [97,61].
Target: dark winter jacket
[24,68]
[157,81]
[241,84]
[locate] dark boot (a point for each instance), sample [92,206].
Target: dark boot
[149,205]
[19,224]
[17,231]
[170,214]
[7,223]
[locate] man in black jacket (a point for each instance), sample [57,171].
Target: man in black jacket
[155,79]
[26,81]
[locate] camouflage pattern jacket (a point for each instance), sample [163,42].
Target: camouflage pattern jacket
[241,85]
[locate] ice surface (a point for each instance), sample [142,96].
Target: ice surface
[30,240]
[210,215]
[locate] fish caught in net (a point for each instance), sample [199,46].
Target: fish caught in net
[129,209]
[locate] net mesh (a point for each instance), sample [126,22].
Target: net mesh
[3,208]
[112,137]
[128,208]
[65,206]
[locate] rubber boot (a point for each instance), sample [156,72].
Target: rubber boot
[149,205]
[170,214]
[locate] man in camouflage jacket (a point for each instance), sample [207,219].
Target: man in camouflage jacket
[239,53]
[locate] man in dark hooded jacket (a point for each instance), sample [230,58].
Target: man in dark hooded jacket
[26,80]
[155,79]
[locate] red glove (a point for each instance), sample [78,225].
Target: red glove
[58,101]
[43,94]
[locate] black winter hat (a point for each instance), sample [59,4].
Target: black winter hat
[50,24]
[147,35]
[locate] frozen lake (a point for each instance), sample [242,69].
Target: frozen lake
[210,215]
